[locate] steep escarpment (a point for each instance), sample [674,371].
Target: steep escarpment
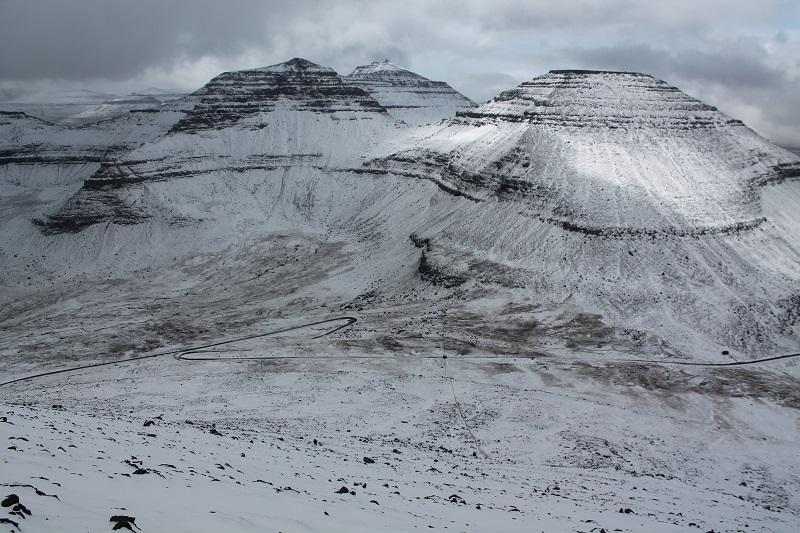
[410,97]
[42,162]
[259,121]
[233,96]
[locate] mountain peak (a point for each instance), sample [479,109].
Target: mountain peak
[592,72]
[297,64]
[236,95]
[412,98]
[602,98]
[381,69]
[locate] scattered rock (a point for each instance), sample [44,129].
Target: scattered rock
[11,499]
[455,498]
[369,460]
[343,490]
[9,521]
[625,510]
[148,423]
[128,522]
[20,510]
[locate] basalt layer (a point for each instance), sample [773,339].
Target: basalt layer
[233,96]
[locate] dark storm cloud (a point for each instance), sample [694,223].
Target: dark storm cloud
[739,64]
[725,49]
[78,39]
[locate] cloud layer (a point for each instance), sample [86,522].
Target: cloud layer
[740,55]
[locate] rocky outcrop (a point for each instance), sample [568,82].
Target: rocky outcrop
[234,96]
[603,99]
[407,96]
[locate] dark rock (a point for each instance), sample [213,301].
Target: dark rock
[127,522]
[369,460]
[9,521]
[343,490]
[11,499]
[21,510]
[233,96]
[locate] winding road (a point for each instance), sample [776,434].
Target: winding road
[185,354]
[348,321]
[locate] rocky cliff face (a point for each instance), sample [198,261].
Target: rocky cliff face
[407,96]
[41,162]
[293,114]
[233,96]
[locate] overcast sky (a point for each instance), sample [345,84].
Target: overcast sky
[741,55]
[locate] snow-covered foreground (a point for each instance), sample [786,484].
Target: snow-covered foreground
[267,445]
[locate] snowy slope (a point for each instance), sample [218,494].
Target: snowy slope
[114,108]
[209,447]
[615,190]
[568,246]
[407,96]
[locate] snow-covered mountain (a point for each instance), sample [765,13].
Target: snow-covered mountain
[115,108]
[283,259]
[407,96]
[614,189]
[611,191]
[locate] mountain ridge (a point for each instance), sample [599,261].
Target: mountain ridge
[613,192]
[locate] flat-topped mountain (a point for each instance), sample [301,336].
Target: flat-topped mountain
[611,195]
[410,97]
[607,153]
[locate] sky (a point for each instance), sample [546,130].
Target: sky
[742,56]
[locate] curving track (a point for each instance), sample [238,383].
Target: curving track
[349,321]
[185,354]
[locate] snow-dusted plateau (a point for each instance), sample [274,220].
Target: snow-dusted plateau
[297,301]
